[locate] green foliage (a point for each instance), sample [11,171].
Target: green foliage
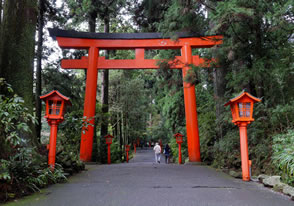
[82,11]
[207,123]
[4,170]
[15,119]
[282,116]
[22,168]
[182,17]
[283,155]
[70,138]
[69,83]
[148,12]
[116,152]
[26,171]
[30,170]
[226,151]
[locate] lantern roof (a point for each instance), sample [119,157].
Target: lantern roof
[108,136]
[241,95]
[55,92]
[178,135]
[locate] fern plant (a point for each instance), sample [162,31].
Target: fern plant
[283,155]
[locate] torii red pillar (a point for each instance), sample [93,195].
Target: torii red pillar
[190,109]
[90,105]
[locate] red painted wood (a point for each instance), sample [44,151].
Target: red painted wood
[108,154]
[89,106]
[244,151]
[137,63]
[180,154]
[190,110]
[52,144]
[194,42]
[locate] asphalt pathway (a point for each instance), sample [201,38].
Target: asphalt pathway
[141,182]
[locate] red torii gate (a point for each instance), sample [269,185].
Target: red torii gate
[139,42]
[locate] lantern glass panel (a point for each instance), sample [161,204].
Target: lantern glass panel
[50,106]
[244,109]
[108,140]
[58,106]
[54,107]
[179,139]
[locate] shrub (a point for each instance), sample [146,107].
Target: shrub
[14,120]
[70,138]
[283,155]
[22,169]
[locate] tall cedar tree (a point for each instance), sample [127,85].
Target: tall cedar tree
[39,67]
[1,7]
[17,48]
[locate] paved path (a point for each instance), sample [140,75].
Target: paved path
[143,183]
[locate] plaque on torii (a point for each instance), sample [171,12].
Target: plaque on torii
[139,42]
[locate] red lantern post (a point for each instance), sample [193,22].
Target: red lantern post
[55,108]
[127,151]
[242,111]
[179,139]
[108,141]
[134,143]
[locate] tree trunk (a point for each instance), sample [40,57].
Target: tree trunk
[119,116]
[1,17]
[17,50]
[39,69]
[259,53]
[1,7]
[92,19]
[219,84]
[124,131]
[104,89]
[120,134]
[114,120]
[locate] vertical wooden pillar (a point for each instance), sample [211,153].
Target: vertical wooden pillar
[190,109]
[127,156]
[140,55]
[244,151]
[180,154]
[90,105]
[52,144]
[108,154]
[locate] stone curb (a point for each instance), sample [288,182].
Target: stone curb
[276,184]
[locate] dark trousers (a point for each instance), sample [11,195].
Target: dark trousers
[166,159]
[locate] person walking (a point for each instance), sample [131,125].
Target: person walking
[167,152]
[157,151]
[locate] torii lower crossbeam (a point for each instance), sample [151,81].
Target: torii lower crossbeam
[139,42]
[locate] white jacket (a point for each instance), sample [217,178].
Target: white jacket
[157,149]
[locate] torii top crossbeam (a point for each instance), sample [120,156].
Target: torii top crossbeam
[139,42]
[68,39]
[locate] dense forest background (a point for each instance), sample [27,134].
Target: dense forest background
[257,55]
